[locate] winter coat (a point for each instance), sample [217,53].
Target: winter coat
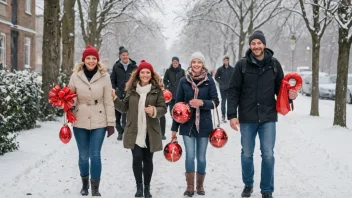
[94,105]
[172,78]
[207,93]
[223,76]
[254,91]
[129,105]
[119,77]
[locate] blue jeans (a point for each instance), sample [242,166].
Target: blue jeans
[191,144]
[89,143]
[267,136]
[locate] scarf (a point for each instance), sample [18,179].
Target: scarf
[90,73]
[142,117]
[201,77]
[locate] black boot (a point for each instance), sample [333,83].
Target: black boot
[85,186]
[139,192]
[267,195]
[247,191]
[147,191]
[95,187]
[119,137]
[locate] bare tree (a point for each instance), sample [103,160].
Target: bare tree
[316,28]
[142,38]
[99,14]
[68,37]
[250,15]
[51,46]
[343,16]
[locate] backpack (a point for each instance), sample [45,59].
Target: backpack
[244,65]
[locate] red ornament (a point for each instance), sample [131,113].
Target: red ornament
[282,103]
[181,112]
[173,151]
[65,134]
[218,137]
[167,95]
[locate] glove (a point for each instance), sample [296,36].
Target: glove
[110,130]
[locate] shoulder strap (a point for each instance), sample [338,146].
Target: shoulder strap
[274,65]
[243,65]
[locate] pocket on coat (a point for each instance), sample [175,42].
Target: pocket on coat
[157,129]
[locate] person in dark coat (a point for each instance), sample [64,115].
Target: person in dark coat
[254,83]
[172,78]
[222,76]
[121,73]
[198,90]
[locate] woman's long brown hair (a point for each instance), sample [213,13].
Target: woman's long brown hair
[135,79]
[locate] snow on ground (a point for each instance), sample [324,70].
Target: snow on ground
[312,159]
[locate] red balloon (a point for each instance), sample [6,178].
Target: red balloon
[167,95]
[181,112]
[173,151]
[65,134]
[218,138]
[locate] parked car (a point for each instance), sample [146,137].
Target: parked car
[300,69]
[326,87]
[333,78]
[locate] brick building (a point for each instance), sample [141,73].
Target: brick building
[17,34]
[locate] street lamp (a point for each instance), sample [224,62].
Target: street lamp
[293,45]
[308,62]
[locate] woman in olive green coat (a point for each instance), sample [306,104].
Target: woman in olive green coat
[144,104]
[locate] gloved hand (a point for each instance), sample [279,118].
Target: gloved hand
[110,130]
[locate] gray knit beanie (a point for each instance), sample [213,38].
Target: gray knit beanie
[197,55]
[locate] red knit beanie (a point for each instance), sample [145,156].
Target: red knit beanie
[90,51]
[145,65]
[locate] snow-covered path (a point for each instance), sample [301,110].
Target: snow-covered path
[312,159]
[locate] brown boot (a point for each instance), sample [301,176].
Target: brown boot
[200,181]
[190,184]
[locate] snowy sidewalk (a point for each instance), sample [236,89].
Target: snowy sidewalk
[314,161]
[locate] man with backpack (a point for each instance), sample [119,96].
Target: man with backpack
[121,73]
[253,85]
[172,78]
[222,76]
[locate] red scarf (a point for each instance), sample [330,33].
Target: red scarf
[202,77]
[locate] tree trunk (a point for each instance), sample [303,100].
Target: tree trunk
[68,37]
[51,46]
[314,111]
[341,80]
[90,31]
[242,39]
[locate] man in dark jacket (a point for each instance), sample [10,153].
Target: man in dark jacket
[254,83]
[172,78]
[121,73]
[222,76]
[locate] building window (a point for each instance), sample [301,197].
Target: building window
[28,6]
[27,53]
[2,51]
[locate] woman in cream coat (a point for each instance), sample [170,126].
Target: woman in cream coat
[95,115]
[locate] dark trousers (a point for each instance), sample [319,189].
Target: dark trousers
[120,121]
[142,163]
[223,102]
[162,121]
[171,105]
